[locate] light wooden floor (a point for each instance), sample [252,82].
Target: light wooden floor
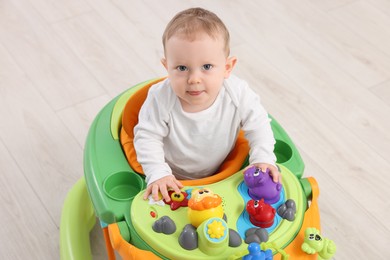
[322,68]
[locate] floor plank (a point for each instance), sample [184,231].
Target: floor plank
[382,5]
[331,37]
[331,4]
[44,150]
[382,91]
[366,21]
[346,219]
[78,118]
[327,84]
[26,226]
[124,18]
[56,72]
[54,11]
[106,55]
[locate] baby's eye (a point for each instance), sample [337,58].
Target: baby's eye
[182,68]
[207,66]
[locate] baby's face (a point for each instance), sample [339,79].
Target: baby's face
[196,69]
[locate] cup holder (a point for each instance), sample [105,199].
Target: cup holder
[122,185]
[283,151]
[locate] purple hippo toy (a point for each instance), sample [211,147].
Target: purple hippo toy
[261,185]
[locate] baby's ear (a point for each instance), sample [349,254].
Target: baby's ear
[230,63]
[164,63]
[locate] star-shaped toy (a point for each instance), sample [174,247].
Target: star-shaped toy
[177,200]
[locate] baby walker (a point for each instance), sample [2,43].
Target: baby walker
[234,214]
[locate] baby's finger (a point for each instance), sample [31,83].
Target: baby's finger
[155,191]
[147,192]
[164,193]
[176,187]
[179,184]
[280,177]
[276,177]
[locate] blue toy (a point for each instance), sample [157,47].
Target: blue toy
[255,253]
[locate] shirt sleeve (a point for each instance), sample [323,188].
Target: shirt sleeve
[148,138]
[256,125]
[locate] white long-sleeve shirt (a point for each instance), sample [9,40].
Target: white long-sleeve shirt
[169,140]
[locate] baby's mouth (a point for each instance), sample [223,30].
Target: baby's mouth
[194,93]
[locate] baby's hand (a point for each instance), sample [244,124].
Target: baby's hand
[274,172]
[163,185]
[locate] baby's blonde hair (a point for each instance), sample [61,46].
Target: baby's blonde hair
[194,20]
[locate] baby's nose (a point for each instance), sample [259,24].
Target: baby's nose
[194,78]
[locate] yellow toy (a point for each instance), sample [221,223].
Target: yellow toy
[204,204]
